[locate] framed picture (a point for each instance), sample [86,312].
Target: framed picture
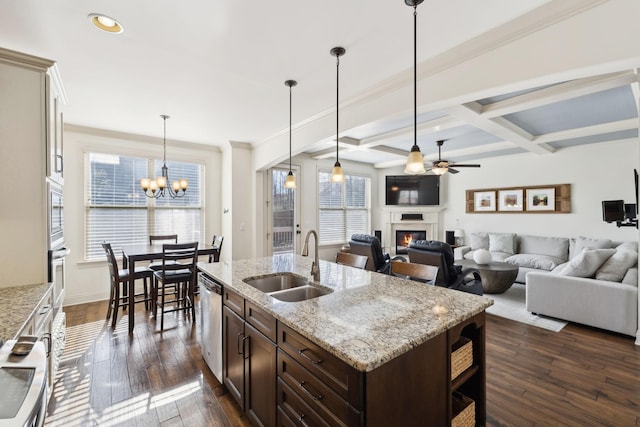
[484,201]
[541,199]
[510,200]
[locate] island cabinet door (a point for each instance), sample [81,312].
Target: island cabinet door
[232,350]
[260,378]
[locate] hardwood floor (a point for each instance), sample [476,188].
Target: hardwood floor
[577,377]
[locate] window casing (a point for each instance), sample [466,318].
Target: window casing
[118,212]
[344,208]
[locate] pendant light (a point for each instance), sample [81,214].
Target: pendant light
[156,188]
[336,173]
[290,182]
[415,161]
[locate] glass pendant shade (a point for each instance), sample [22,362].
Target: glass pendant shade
[439,170]
[415,162]
[336,173]
[290,182]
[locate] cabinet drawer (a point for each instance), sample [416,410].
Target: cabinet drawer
[43,314]
[283,419]
[261,320]
[234,301]
[333,409]
[296,409]
[340,377]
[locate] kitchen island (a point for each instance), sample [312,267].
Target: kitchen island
[376,350]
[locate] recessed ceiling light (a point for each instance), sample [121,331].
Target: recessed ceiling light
[105,23]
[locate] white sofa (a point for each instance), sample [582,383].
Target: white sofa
[588,281]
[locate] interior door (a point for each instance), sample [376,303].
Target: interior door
[283,230]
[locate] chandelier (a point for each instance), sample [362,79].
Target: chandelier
[156,188]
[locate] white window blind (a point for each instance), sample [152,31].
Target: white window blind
[118,212]
[343,207]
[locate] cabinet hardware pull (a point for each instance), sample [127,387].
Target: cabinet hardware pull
[306,390]
[246,354]
[301,419]
[47,336]
[59,157]
[301,353]
[44,310]
[240,351]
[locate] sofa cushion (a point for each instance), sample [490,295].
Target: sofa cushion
[499,256]
[479,241]
[615,268]
[579,243]
[557,247]
[631,278]
[502,242]
[628,246]
[541,262]
[587,262]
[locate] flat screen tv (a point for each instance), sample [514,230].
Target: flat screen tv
[412,190]
[613,210]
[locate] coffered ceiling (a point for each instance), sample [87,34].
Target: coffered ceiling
[218,68]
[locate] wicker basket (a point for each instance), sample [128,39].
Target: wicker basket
[464,411]
[461,357]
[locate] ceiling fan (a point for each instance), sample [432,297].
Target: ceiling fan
[440,166]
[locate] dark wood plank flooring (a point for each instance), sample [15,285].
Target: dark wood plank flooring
[577,377]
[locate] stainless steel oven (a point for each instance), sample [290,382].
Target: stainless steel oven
[55,215]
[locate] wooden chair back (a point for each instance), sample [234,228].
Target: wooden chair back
[216,243]
[163,238]
[421,272]
[113,264]
[352,260]
[177,257]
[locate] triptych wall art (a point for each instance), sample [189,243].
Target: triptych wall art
[555,198]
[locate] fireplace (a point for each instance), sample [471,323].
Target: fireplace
[405,237]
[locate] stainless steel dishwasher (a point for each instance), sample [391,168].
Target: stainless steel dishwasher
[211,324]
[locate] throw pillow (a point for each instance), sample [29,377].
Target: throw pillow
[617,265]
[584,242]
[479,241]
[631,278]
[587,262]
[502,242]
[541,262]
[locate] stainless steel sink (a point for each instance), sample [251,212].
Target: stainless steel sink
[278,282]
[300,293]
[286,287]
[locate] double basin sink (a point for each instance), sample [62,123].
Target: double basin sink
[287,287]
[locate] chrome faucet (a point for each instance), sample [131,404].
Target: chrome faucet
[315,267]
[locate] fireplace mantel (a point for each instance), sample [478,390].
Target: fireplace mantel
[392,220]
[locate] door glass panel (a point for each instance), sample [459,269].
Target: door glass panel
[283,211]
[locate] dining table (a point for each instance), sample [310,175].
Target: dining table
[145,252]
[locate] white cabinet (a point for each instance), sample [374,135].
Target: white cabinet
[31,100]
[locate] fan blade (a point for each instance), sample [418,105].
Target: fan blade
[466,166]
[451,170]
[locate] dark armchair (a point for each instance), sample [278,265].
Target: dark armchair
[369,246]
[451,276]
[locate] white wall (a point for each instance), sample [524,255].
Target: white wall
[89,281]
[596,172]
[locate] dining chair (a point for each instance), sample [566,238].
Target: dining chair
[176,280]
[411,270]
[120,277]
[352,260]
[171,238]
[216,243]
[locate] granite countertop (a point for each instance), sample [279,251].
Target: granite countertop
[367,320]
[17,303]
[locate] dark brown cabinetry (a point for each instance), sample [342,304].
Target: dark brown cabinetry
[470,384]
[280,377]
[249,358]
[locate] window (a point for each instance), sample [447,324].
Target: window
[118,212]
[344,207]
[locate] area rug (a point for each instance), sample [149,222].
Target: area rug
[511,305]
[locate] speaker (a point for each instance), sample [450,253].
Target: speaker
[450,238]
[378,234]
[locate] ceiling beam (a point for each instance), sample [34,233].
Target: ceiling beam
[559,92]
[424,128]
[498,127]
[600,129]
